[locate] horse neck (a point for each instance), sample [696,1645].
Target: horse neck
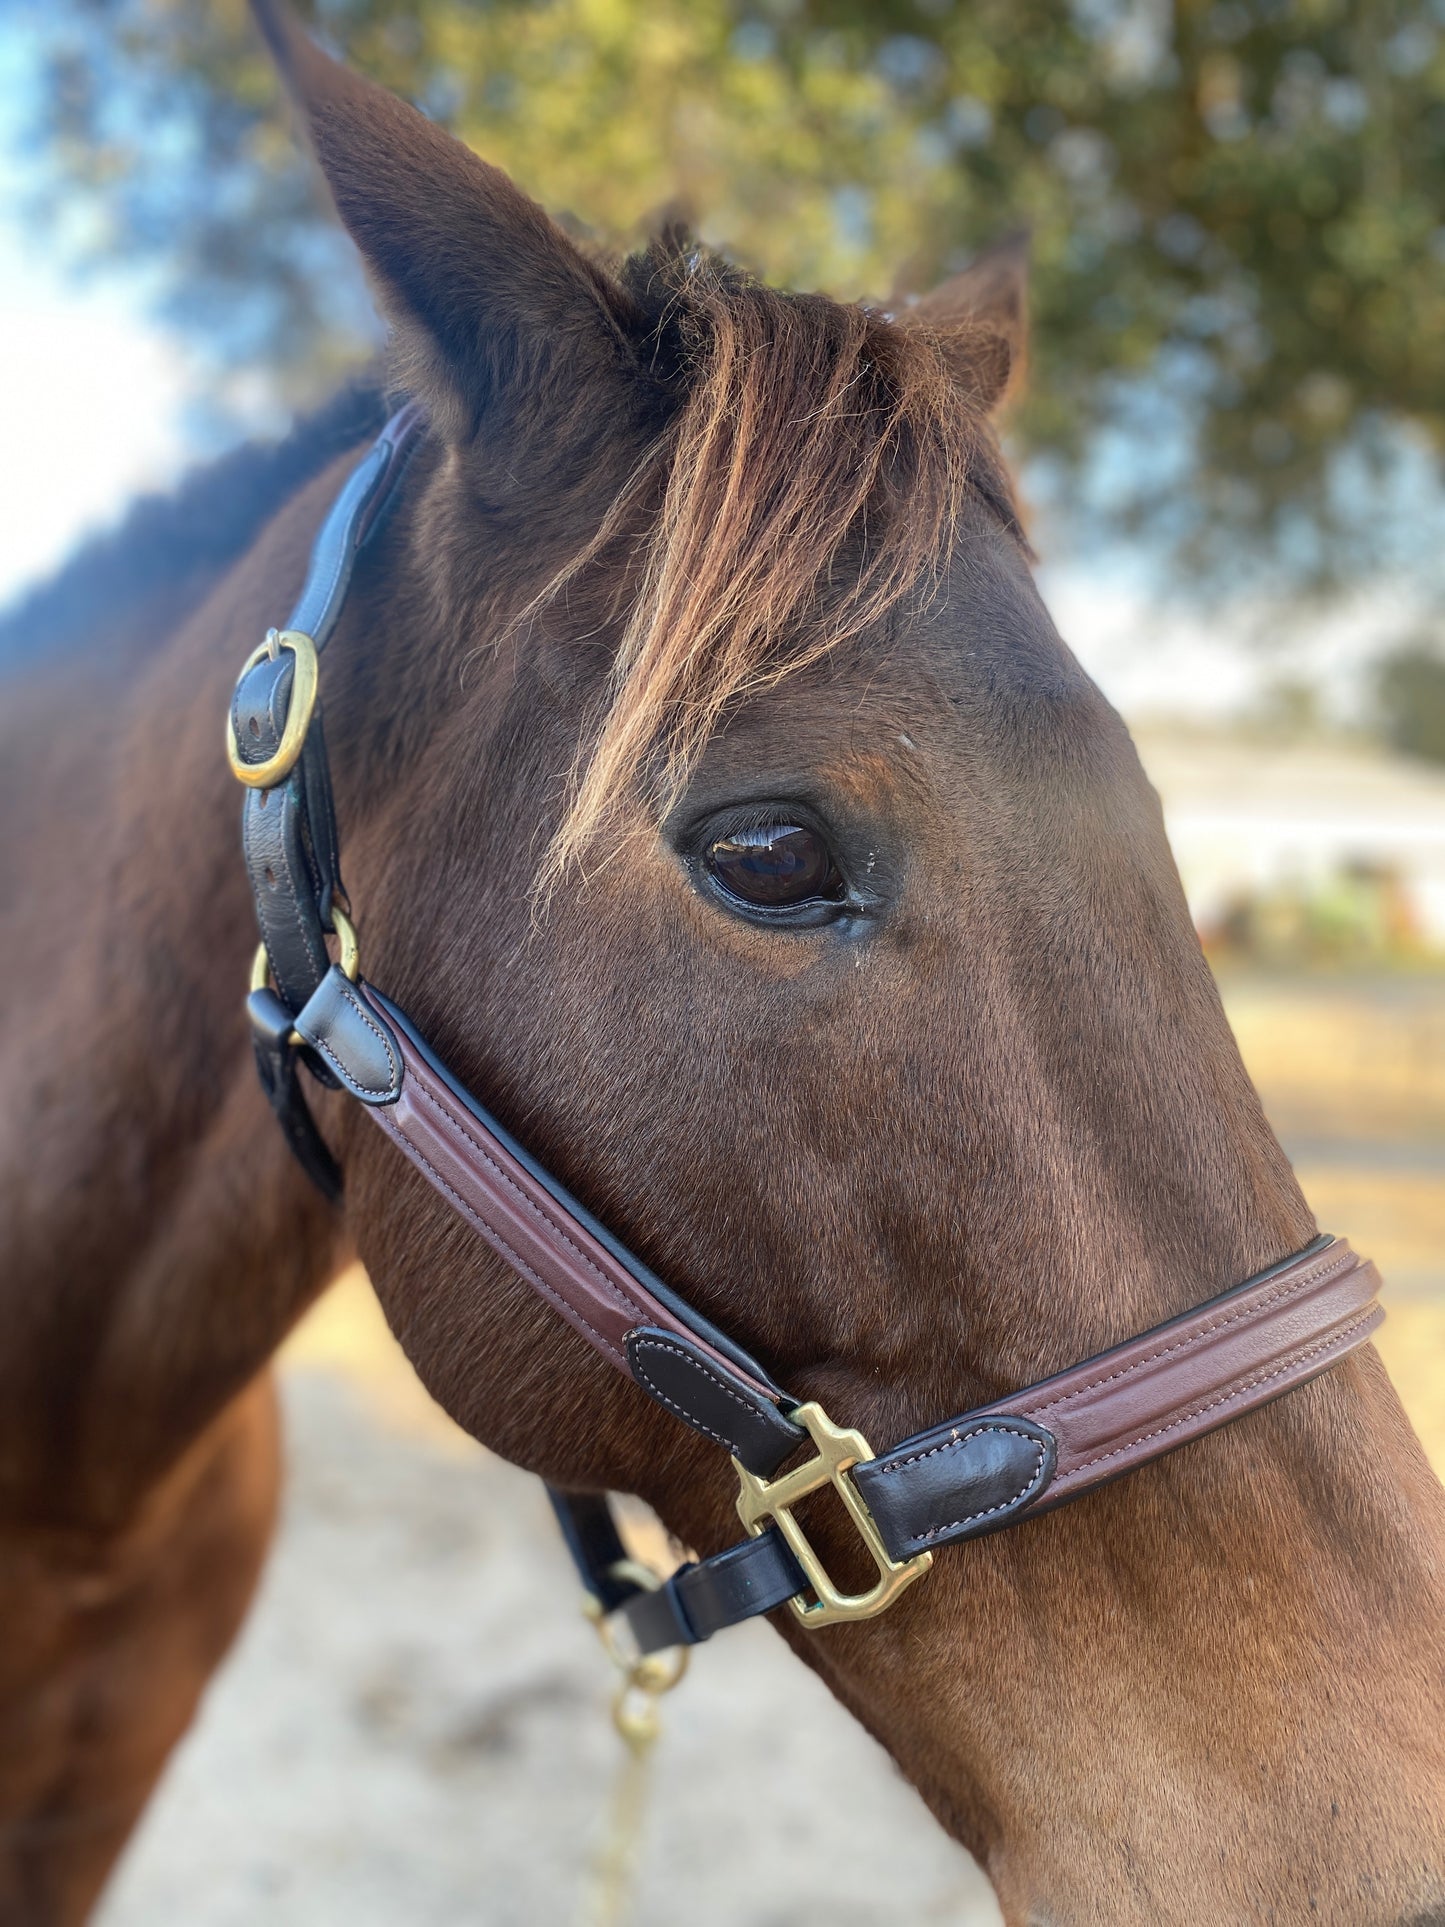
[200,1242]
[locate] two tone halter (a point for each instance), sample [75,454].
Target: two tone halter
[974,1474]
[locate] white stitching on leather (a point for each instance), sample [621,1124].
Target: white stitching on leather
[1275,1296]
[1228,1398]
[708,1371]
[534,1278]
[536,1210]
[319,1043]
[951,1444]
[651,1385]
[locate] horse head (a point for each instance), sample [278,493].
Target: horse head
[721,800]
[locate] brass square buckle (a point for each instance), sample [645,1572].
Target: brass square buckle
[762,1499]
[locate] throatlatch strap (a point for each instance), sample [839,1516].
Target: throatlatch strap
[276,1064]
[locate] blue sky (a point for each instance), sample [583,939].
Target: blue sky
[98,414]
[95,391]
[93,409]
[101,400]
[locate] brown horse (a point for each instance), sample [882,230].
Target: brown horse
[680,555]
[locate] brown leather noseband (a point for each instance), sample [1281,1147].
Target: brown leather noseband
[974,1474]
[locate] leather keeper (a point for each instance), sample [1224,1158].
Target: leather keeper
[711,1399]
[956,1482]
[352,1038]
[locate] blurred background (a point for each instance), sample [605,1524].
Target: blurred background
[1231,447]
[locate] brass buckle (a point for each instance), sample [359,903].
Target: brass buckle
[762,1499]
[304,683]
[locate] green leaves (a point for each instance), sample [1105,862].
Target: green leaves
[1238,209]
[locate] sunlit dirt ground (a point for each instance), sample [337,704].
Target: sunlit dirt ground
[413,1729]
[1353,1078]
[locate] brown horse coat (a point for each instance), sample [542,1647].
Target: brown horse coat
[680,548]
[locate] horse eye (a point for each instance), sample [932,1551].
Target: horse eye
[775,866]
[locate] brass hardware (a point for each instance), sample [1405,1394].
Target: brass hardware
[762,1499]
[645,1678]
[350,958]
[304,682]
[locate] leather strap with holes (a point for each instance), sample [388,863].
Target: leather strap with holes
[288,829]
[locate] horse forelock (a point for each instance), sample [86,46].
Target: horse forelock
[810,480]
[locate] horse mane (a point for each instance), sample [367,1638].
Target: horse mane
[810,481]
[167,553]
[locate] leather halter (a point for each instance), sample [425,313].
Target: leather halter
[973,1474]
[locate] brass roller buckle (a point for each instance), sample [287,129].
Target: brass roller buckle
[762,1499]
[304,681]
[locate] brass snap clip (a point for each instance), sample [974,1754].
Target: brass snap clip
[645,1676]
[762,1499]
[304,683]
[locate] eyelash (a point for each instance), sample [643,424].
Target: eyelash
[808,912]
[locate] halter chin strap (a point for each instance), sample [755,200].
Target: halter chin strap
[974,1474]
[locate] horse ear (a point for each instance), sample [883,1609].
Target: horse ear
[487,295]
[980,319]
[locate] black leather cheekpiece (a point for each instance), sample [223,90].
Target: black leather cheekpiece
[958,1481]
[353,1040]
[684,1378]
[290,844]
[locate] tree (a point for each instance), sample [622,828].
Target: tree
[1236,209]
[1410,690]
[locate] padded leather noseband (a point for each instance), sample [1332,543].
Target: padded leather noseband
[974,1474]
